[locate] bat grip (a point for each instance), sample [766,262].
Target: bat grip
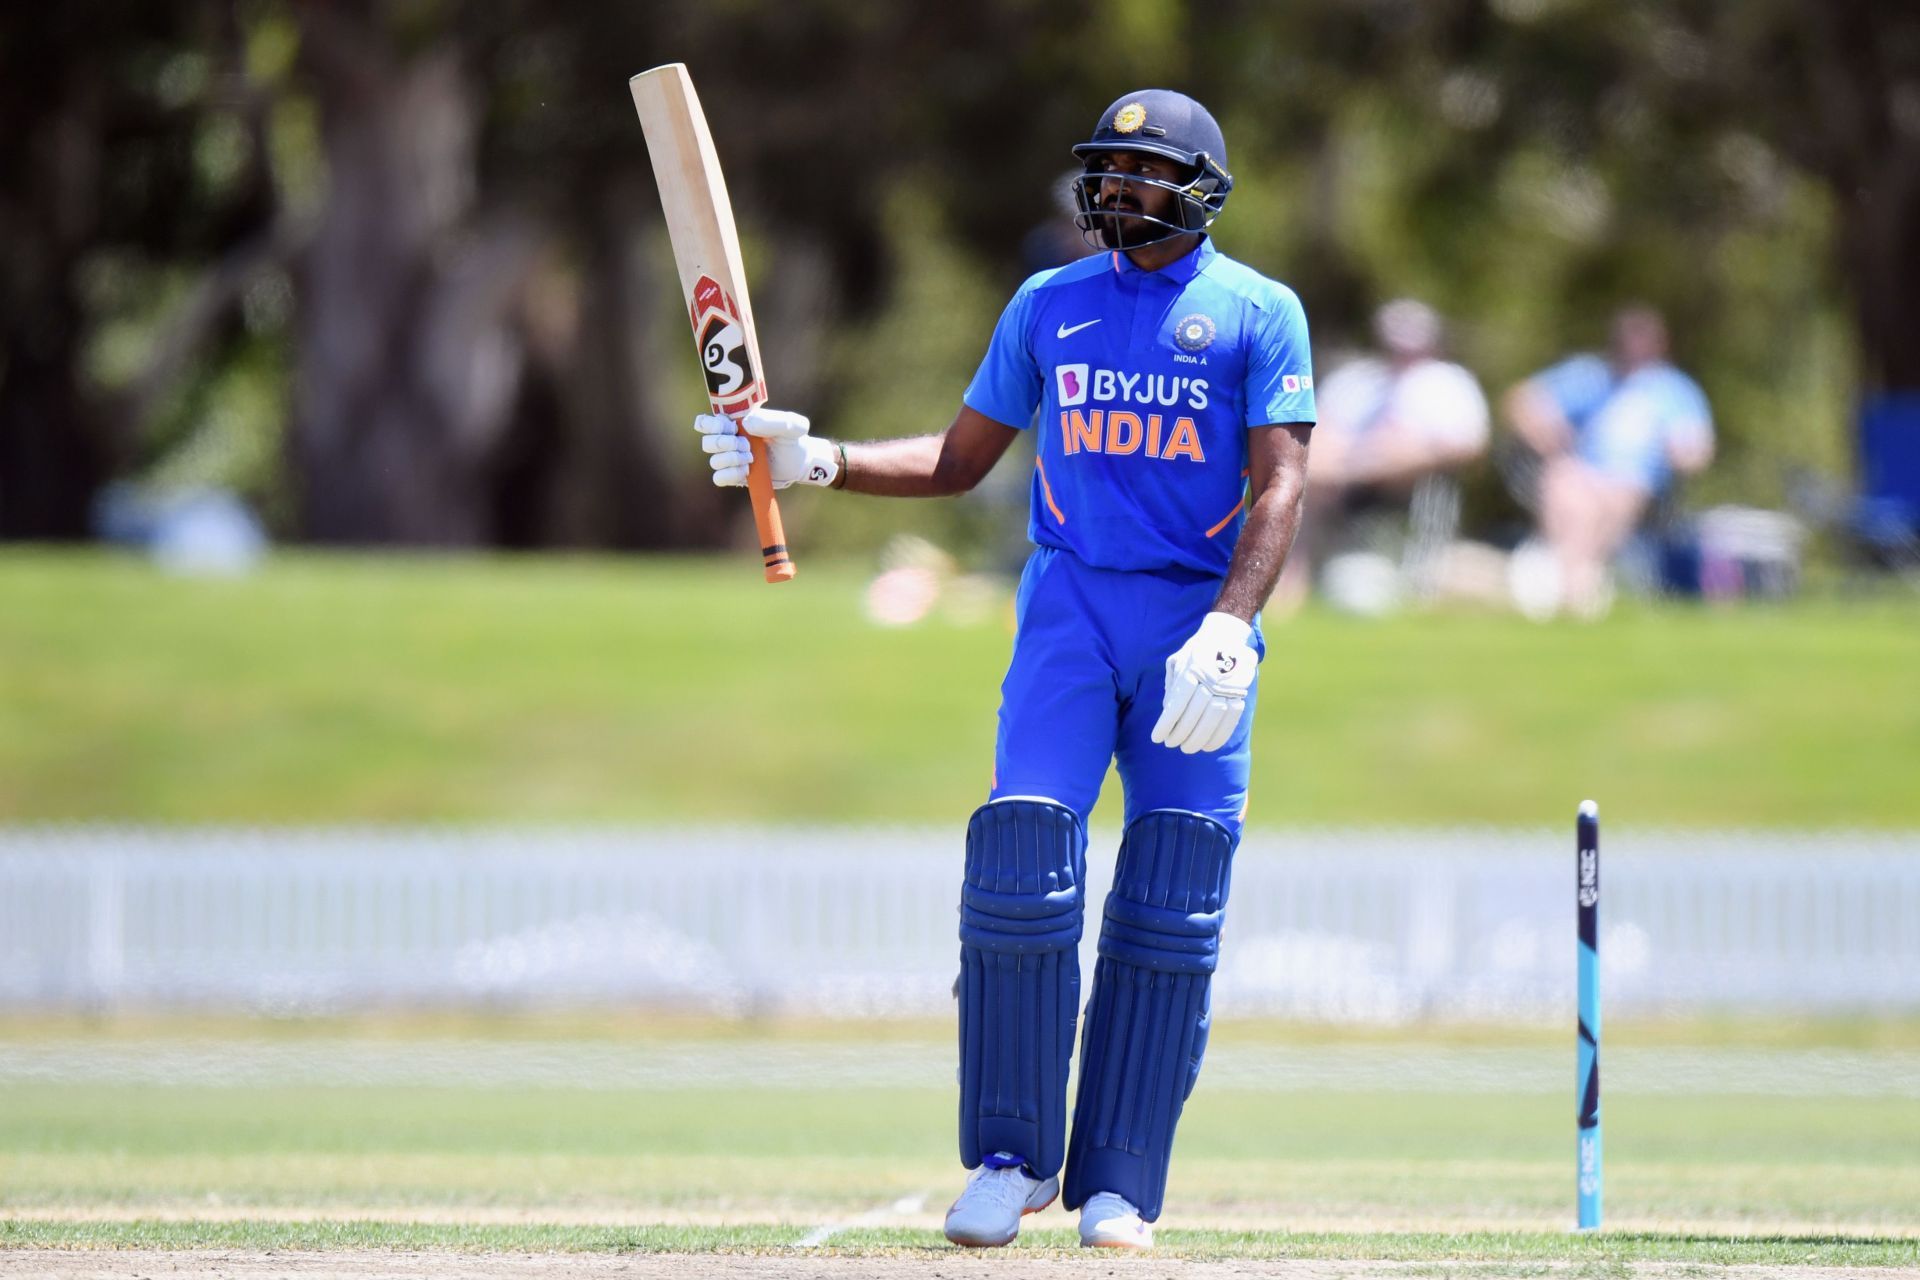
[766,515]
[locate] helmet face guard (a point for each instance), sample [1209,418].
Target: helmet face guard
[1155,122]
[1198,200]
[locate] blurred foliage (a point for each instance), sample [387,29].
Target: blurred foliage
[394,268]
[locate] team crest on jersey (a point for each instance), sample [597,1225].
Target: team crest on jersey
[1194,332]
[1129,118]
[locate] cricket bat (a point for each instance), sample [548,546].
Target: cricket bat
[706,248]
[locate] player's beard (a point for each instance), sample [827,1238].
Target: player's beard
[1122,227]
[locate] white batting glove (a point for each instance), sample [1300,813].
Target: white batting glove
[793,456]
[1207,685]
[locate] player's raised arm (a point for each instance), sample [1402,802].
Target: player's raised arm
[934,466]
[929,466]
[1006,389]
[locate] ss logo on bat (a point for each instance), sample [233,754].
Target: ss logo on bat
[723,353]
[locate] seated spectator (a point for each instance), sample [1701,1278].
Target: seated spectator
[1610,433]
[1387,423]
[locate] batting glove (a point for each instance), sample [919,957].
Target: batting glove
[793,456]
[1207,685]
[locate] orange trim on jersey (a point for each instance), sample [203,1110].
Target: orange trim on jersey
[1046,491]
[1227,518]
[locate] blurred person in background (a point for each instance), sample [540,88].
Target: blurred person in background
[1388,422]
[1171,390]
[1610,434]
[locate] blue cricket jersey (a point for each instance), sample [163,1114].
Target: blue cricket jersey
[1145,384]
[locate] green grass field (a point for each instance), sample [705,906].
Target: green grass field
[340,689]
[1411,1174]
[346,689]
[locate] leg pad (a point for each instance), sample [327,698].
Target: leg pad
[1148,1016]
[1021,911]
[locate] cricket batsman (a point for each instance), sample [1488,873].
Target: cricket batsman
[1172,391]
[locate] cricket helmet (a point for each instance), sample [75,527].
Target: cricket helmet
[1157,122]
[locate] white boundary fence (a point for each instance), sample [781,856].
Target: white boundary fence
[1351,926]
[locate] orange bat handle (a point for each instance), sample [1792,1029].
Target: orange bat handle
[766,515]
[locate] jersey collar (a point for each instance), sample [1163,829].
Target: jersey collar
[1179,271]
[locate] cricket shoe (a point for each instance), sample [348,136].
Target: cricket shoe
[1108,1221]
[989,1210]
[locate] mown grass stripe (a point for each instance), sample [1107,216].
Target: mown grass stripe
[1603,1247]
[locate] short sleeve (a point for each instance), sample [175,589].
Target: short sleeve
[1279,384]
[1689,419]
[1578,385]
[1007,386]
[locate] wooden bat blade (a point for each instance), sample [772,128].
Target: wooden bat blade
[713,281]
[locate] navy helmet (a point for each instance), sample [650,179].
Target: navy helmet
[1157,122]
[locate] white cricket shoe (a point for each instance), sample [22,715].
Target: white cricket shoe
[1108,1221]
[989,1210]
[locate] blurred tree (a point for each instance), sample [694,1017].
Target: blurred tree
[426,408]
[105,166]
[409,366]
[51,454]
[1835,86]
[1530,164]
[421,233]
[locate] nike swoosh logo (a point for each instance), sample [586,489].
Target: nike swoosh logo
[1064,331]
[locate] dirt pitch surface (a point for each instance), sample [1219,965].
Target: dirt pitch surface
[240,1264]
